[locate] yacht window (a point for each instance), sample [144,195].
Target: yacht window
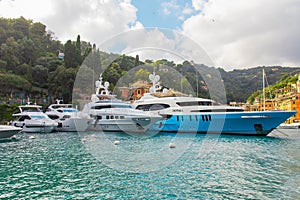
[195,103]
[107,117]
[209,117]
[99,107]
[190,117]
[22,118]
[99,117]
[122,117]
[117,117]
[196,117]
[53,117]
[152,107]
[206,118]
[182,118]
[177,118]
[202,117]
[112,117]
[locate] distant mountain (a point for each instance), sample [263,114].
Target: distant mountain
[240,84]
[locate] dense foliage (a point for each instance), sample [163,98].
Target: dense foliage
[32,65]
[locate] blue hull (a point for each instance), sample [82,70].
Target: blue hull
[242,123]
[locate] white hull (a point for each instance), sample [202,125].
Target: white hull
[8,131]
[73,125]
[38,129]
[130,124]
[36,126]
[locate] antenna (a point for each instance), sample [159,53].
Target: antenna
[264,100]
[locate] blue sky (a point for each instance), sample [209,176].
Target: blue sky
[163,14]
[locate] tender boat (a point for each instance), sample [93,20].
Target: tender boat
[111,114]
[188,114]
[32,120]
[69,119]
[7,131]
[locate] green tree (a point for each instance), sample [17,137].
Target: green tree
[21,28]
[40,75]
[28,51]
[72,55]
[9,53]
[141,74]
[112,73]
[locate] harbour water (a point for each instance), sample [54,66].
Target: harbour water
[89,166]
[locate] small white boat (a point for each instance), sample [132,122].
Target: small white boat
[112,115]
[7,131]
[32,120]
[69,119]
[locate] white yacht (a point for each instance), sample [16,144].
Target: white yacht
[188,114]
[31,119]
[69,119]
[111,114]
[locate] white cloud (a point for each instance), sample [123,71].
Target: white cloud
[33,9]
[198,4]
[169,6]
[242,33]
[94,20]
[156,44]
[187,10]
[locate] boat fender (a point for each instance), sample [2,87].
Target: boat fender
[13,137]
[32,137]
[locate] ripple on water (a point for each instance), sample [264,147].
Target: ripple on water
[59,166]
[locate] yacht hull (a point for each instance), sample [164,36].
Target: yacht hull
[36,128]
[73,125]
[131,124]
[234,123]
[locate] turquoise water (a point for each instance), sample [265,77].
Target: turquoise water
[90,166]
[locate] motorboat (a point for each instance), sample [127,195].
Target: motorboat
[32,120]
[189,114]
[111,114]
[7,131]
[69,119]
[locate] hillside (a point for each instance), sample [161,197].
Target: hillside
[31,65]
[240,84]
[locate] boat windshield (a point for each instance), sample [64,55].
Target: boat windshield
[69,110]
[152,107]
[38,117]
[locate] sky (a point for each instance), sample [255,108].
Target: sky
[232,34]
